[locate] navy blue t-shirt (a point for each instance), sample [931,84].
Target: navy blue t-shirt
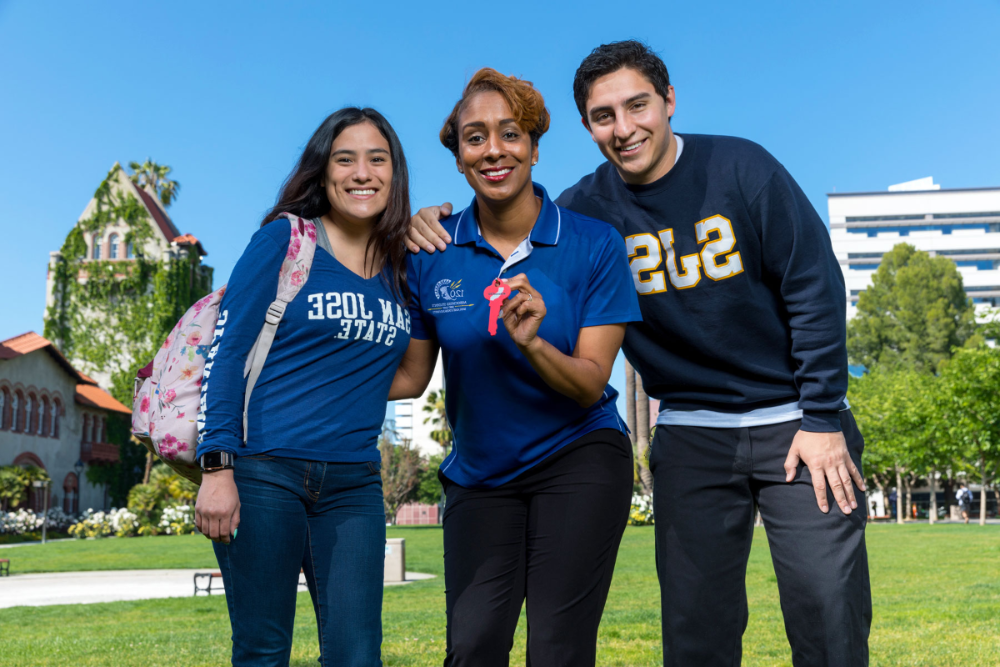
[322,393]
[504,417]
[742,297]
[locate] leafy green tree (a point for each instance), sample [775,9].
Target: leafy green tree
[969,408]
[913,314]
[429,490]
[401,466]
[153,175]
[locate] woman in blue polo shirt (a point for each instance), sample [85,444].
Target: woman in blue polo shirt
[539,479]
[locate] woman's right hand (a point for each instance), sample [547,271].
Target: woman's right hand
[217,512]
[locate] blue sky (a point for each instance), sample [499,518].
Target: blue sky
[848,95]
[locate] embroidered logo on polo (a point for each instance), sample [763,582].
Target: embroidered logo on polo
[449,297]
[355,320]
[449,291]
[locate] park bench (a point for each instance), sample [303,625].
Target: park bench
[4,567]
[211,578]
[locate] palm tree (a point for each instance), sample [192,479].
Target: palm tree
[439,419]
[154,176]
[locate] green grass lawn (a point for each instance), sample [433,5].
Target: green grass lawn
[936,592]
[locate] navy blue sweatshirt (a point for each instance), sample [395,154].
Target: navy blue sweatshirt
[322,393]
[743,301]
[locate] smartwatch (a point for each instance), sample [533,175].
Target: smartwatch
[215,461]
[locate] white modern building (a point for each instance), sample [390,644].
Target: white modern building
[962,224]
[410,416]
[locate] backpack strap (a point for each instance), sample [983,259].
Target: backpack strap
[293,275]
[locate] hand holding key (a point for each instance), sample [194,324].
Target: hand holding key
[497,292]
[523,314]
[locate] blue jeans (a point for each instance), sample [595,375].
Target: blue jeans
[327,519]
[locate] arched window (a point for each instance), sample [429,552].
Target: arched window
[113,241]
[56,414]
[4,409]
[45,428]
[18,408]
[96,254]
[71,494]
[34,414]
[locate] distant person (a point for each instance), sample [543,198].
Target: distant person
[964,498]
[893,497]
[304,489]
[539,479]
[743,340]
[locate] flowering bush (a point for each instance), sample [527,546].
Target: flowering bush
[178,520]
[118,522]
[26,521]
[641,513]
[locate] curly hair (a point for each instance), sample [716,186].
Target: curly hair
[521,96]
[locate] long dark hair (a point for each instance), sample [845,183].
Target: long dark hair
[303,194]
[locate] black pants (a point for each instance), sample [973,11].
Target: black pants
[706,482]
[550,535]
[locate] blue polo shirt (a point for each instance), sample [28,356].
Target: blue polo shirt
[504,417]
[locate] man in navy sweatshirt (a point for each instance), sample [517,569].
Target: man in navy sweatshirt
[743,341]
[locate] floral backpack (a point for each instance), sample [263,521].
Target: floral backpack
[167,397]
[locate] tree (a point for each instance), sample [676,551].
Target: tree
[154,177]
[400,472]
[637,419]
[895,411]
[914,313]
[969,408]
[435,406]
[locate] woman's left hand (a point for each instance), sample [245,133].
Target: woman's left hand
[523,314]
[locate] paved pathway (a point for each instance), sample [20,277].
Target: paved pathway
[37,590]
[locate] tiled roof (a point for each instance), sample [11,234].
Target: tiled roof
[25,343]
[95,397]
[163,221]
[87,391]
[190,239]
[29,342]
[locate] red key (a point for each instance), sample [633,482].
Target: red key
[497,293]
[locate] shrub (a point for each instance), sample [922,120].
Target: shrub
[641,513]
[25,521]
[178,520]
[117,522]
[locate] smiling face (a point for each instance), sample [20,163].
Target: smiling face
[359,174]
[494,153]
[630,123]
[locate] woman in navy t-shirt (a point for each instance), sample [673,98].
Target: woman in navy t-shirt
[305,488]
[529,307]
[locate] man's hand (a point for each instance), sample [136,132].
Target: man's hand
[217,512]
[426,231]
[826,456]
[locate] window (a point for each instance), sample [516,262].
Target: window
[96,254]
[18,412]
[56,414]
[46,425]
[4,409]
[98,429]
[128,250]
[36,419]
[86,429]
[30,424]
[113,242]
